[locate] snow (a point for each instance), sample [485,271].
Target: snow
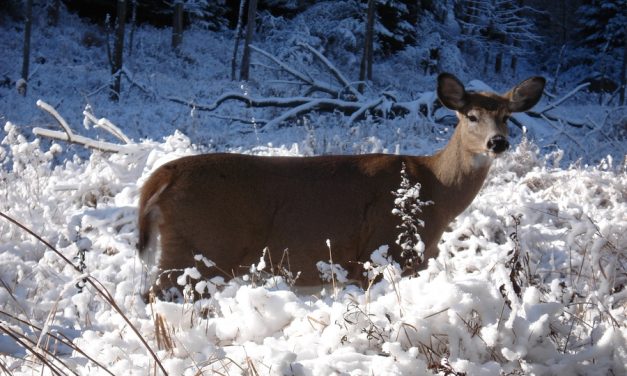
[462,314]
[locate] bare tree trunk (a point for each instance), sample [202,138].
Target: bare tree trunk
[563,28]
[623,83]
[131,37]
[238,35]
[177,26]
[365,68]
[28,23]
[52,10]
[498,62]
[514,64]
[118,49]
[250,29]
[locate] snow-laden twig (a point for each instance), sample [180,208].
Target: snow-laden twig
[311,105]
[96,285]
[49,109]
[367,106]
[107,125]
[599,128]
[543,113]
[77,139]
[564,98]
[315,85]
[336,73]
[560,130]
[344,97]
[129,76]
[69,136]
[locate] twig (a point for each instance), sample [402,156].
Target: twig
[129,77]
[49,109]
[62,338]
[299,75]
[80,140]
[16,337]
[360,112]
[96,285]
[597,128]
[71,137]
[564,98]
[108,126]
[336,73]
[561,130]
[332,269]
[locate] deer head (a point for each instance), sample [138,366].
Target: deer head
[483,116]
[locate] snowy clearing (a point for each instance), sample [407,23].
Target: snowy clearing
[530,278]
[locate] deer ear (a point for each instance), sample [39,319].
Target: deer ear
[451,92]
[526,94]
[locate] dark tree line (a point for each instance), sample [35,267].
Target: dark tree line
[495,33]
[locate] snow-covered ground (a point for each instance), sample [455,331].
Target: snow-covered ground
[555,201]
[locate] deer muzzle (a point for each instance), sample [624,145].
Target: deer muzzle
[498,144]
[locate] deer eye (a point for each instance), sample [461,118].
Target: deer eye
[472,118]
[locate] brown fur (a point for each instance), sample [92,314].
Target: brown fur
[229,207]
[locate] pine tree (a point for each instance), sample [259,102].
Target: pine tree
[496,28]
[602,24]
[397,24]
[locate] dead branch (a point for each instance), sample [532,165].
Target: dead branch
[539,115]
[361,111]
[542,114]
[301,105]
[106,125]
[344,98]
[347,99]
[69,136]
[560,130]
[564,98]
[77,139]
[305,79]
[336,73]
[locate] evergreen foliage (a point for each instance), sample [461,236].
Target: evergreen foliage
[602,24]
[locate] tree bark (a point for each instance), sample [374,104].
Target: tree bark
[28,23]
[623,83]
[131,37]
[498,62]
[250,30]
[52,10]
[177,26]
[118,49]
[365,68]
[238,35]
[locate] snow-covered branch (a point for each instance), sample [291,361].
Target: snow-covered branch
[543,113]
[69,136]
[106,125]
[306,79]
[564,98]
[336,73]
[344,98]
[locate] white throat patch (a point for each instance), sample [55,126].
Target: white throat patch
[482,160]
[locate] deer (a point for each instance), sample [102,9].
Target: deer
[227,208]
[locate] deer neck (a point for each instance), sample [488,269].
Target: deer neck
[460,173]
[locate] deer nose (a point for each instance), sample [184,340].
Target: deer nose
[498,144]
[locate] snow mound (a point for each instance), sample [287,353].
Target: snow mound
[530,280]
